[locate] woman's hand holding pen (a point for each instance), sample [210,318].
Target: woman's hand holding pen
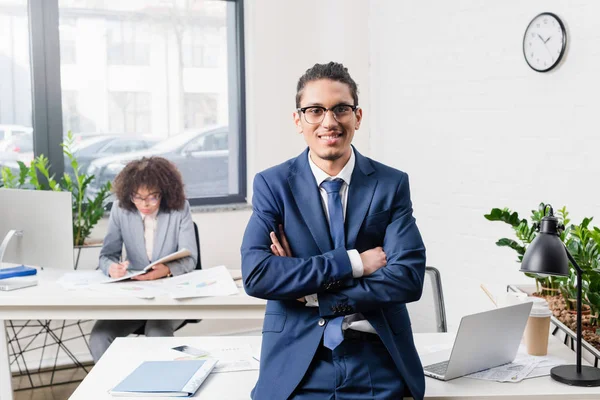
[117,270]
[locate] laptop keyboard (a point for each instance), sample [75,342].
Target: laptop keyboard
[438,369]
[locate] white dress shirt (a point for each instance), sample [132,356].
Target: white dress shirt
[150,222]
[352,321]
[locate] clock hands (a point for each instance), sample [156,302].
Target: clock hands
[542,39]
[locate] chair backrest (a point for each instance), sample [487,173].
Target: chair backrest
[431,302]
[199,262]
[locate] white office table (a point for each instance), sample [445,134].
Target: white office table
[49,300]
[127,353]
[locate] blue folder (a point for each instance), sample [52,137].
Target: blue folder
[179,378]
[17,271]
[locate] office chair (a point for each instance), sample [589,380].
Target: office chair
[431,302]
[140,330]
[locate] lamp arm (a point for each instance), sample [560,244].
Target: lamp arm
[579,295]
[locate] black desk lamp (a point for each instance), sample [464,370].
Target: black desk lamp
[548,255]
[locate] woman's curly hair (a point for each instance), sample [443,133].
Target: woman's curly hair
[155,173]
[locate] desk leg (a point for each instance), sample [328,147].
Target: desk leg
[5,375]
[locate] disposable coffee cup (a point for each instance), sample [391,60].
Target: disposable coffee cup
[538,328]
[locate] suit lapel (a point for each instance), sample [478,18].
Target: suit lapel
[306,194]
[162,225]
[360,193]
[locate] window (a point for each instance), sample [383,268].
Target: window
[67,43]
[128,43]
[202,46]
[146,75]
[129,112]
[73,119]
[16,134]
[200,110]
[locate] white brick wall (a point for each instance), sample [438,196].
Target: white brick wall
[456,106]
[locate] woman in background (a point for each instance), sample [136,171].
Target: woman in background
[152,218]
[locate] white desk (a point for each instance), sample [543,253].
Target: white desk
[126,353]
[49,300]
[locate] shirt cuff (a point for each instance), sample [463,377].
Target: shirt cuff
[358,268]
[312,300]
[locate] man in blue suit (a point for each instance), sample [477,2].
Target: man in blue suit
[348,258]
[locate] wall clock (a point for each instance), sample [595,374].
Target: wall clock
[544,42]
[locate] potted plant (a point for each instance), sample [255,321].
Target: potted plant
[525,233]
[86,211]
[583,243]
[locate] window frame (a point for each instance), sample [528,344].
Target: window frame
[47,113]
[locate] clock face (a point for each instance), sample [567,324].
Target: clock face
[544,42]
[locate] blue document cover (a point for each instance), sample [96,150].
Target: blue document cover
[180,378]
[21,270]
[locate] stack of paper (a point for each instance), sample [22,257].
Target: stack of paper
[523,367]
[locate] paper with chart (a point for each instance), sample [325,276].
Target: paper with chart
[89,283]
[230,359]
[171,257]
[216,281]
[523,367]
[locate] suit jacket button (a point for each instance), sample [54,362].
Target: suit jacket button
[321,322]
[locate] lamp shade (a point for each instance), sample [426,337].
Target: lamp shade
[547,253]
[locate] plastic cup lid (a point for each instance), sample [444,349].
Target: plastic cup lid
[540,307]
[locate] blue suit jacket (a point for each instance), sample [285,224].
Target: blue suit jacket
[379,213]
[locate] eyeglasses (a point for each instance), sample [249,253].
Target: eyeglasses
[316,114]
[151,199]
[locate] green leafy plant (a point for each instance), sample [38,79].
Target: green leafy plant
[86,211]
[525,233]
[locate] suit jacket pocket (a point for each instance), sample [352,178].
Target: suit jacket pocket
[375,225]
[274,322]
[398,318]
[377,219]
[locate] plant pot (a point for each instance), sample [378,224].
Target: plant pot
[572,307]
[546,291]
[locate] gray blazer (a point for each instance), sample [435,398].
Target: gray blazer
[174,231]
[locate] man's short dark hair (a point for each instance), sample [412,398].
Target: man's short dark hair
[332,71]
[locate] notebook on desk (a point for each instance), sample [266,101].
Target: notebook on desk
[180,378]
[171,257]
[17,277]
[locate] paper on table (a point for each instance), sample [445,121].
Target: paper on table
[523,367]
[230,359]
[238,358]
[171,257]
[214,281]
[81,279]
[126,289]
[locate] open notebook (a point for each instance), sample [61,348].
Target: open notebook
[171,257]
[179,378]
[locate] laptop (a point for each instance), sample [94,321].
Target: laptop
[484,340]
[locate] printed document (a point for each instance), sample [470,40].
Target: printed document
[523,367]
